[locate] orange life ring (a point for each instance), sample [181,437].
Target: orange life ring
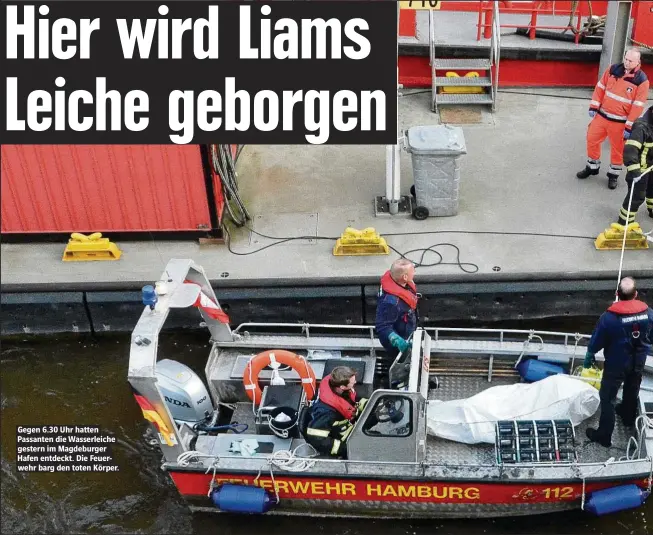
[260,361]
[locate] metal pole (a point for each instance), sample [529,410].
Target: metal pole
[393,178]
[615,37]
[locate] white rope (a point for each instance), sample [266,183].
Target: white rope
[288,460]
[214,466]
[623,243]
[185,458]
[578,337]
[641,423]
[527,342]
[584,477]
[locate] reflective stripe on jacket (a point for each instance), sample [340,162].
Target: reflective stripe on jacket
[620,97]
[638,150]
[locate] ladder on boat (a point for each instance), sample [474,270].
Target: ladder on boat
[487,68]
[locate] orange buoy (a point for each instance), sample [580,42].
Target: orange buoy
[260,361]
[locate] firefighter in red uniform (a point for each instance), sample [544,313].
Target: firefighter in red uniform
[618,100]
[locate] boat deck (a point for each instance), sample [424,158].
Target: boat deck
[442,451]
[446,452]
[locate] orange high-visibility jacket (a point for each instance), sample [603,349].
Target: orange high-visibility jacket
[621,97]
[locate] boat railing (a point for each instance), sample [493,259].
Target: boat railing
[305,327]
[500,335]
[582,470]
[488,14]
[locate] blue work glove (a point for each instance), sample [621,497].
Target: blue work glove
[626,134]
[589,360]
[592,114]
[398,342]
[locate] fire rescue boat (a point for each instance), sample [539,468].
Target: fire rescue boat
[425,445]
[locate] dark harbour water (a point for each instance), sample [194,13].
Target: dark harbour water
[82,381]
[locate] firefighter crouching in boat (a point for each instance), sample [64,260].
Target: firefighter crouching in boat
[396,309]
[333,415]
[638,157]
[624,332]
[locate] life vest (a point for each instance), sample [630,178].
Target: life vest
[407,294]
[634,319]
[327,396]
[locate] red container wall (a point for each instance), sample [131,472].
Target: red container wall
[407,23]
[89,188]
[643,28]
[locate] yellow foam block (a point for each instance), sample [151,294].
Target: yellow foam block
[459,88]
[592,373]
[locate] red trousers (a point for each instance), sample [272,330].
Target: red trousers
[600,128]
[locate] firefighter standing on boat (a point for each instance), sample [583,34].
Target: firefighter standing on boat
[332,416]
[638,158]
[618,100]
[396,310]
[625,333]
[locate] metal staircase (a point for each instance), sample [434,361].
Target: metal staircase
[488,70]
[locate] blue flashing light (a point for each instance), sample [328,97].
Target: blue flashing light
[149,296]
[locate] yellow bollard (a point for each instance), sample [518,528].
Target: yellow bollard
[82,248]
[364,242]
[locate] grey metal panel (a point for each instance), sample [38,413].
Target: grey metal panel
[462,64]
[464,98]
[44,313]
[482,81]
[393,449]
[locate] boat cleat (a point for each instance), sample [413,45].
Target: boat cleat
[613,237]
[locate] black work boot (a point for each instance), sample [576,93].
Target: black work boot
[594,436]
[619,410]
[612,181]
[587,172]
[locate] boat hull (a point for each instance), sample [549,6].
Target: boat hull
[386,498]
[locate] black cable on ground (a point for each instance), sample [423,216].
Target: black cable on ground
[473,268]
[224,165]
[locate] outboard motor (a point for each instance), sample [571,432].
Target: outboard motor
[184,392]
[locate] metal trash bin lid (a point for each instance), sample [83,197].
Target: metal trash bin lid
[436,139]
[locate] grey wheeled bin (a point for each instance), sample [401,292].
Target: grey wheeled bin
[435,153]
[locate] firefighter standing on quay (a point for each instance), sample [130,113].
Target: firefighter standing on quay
[618,100]
[638,158]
